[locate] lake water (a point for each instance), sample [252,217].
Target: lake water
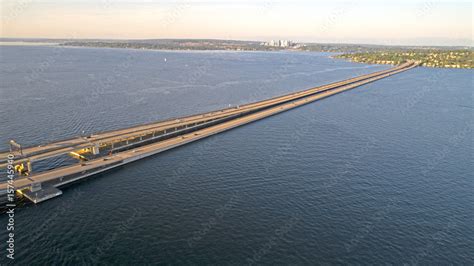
[379,174]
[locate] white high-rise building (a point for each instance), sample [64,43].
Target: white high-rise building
[279,43]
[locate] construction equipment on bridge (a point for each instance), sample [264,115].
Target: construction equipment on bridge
[78,156]
[21,169]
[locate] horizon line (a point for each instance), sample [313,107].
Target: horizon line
[238,40]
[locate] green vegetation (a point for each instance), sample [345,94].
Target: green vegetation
[429,58]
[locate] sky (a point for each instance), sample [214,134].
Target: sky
[410,22]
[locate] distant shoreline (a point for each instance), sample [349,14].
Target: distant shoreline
[23,43]
[458,59]
[368,54]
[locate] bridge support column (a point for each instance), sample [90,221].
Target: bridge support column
[95,150]
[35,187]
[29,166]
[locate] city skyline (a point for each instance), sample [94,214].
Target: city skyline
[382,22]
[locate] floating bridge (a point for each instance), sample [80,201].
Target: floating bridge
[102,151]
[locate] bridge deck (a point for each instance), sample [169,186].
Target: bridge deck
[61,176]
[66,146]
